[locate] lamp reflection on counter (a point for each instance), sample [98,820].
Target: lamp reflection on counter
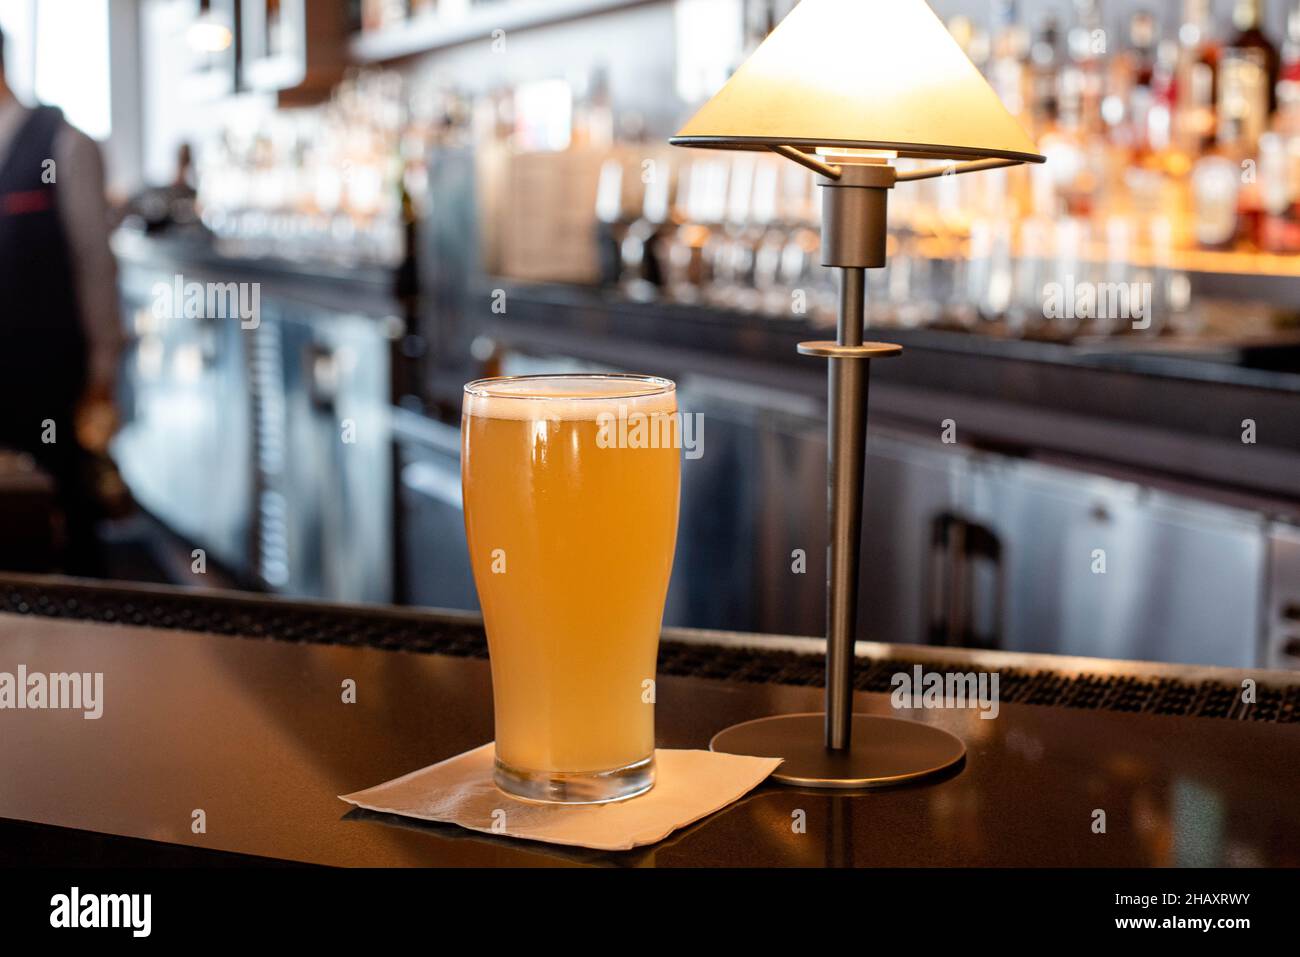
[843,88]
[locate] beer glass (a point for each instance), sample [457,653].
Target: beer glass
[571,488]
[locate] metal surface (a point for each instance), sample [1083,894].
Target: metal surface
[266,444]
[1050,599]
[254,733]
[1283,601]
[866,350]
[808,161]
[961,612]
[433,556]
[884,752]
[910,150]
[1111,569]
[1047,598]
[855,211]
[954,169]
[909,483]
[186,446]
[854,229]
[846,465]
[326,491]
[752,554]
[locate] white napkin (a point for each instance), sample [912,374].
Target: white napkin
[689,785]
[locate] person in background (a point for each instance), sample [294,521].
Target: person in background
[158,208]
[60,333]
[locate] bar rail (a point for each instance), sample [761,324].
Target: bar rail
[1091,684]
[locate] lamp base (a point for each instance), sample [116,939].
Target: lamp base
[884,752]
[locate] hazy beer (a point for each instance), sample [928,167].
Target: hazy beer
[571,533]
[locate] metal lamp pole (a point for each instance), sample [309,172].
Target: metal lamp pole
[840,749]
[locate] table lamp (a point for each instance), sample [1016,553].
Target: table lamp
[843,87]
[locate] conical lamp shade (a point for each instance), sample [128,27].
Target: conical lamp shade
[866,74]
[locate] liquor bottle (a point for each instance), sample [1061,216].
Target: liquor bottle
[407,352]
[1071,183]
[1197,80]
[1142,38]
[1008,67]
[643,245]
[593,120]
[1164,105]
[1217,187]
[1279,189]
[1288,83]
[1279,153]
[1135,77]
[611,222]
[699,209]
[1044,69]
[1086,38]
[1084,72]
[1121,95]
[1248,74]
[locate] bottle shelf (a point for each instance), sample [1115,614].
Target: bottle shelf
[433,32]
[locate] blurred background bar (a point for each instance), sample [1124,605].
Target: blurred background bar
[328,216]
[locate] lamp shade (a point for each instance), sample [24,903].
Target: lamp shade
[861,74]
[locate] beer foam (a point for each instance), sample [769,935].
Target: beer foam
[570,398]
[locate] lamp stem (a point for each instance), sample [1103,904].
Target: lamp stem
[847,437]
[854,222]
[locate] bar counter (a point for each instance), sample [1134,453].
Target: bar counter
[233,705]
[1131,403]
[1166,406]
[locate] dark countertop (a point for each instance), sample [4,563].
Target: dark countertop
[770,338]
[254,733]
[363,288]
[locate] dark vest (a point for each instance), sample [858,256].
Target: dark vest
[42,341]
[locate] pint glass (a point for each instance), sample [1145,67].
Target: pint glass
[571,488]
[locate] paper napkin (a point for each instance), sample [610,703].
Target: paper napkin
[689,785]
